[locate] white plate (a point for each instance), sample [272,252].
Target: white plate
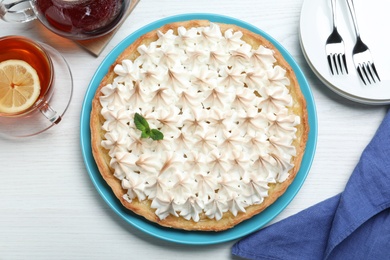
[373,19]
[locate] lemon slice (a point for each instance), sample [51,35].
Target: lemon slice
[19,86]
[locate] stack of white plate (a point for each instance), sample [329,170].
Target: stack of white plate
[374,20]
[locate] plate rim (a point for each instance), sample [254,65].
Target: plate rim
[196,237]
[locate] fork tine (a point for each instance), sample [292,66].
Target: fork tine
[330,64]
[334,56]
[368,68]
[345,63]
[339,62]
[360,74]
[374,69]
[365,72]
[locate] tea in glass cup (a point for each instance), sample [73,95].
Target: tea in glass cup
[26,76]
[27,83]
[74,19]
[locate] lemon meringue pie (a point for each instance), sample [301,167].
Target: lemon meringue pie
[233,118]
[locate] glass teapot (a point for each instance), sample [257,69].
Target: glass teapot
[74,19]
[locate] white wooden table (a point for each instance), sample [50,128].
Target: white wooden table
[49,208]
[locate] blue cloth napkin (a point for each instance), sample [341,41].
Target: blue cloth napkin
[354,224]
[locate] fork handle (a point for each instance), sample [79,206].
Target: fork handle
[333,3]
[351,8]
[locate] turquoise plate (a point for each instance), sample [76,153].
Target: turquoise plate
[191,237]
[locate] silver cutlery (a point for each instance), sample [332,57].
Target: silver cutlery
[335,47]
[361,54]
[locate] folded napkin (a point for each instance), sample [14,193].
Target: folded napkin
[354,224]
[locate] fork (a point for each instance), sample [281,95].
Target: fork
[335,47]
[361,54]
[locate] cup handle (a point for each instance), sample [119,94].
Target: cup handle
[10,13]
[50,113]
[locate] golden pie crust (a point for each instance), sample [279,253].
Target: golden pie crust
[143,208]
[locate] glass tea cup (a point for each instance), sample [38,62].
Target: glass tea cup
[42,112]
[73,19]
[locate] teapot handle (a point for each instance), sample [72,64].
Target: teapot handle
[10,12]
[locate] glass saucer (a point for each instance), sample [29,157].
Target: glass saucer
[35,122]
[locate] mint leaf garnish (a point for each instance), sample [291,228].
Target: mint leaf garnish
[143,125]
[156,135]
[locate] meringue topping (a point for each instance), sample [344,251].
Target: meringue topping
[222,107]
